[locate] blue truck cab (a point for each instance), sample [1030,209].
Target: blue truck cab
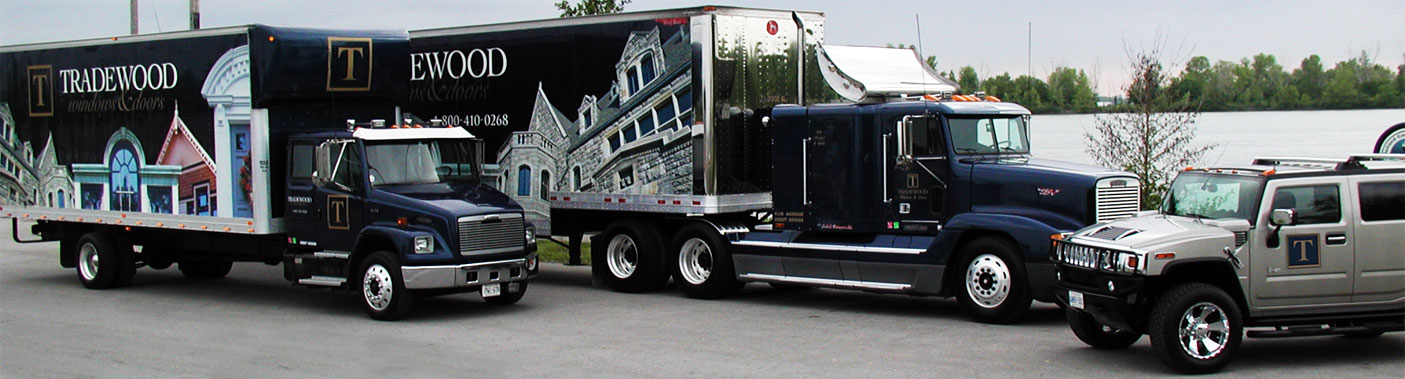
[922,198]
[402,211]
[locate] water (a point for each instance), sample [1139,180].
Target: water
[1241,136]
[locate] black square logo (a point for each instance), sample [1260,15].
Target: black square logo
[41,91]
[348,64]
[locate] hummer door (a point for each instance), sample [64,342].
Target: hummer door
[1308,261]
[917,170]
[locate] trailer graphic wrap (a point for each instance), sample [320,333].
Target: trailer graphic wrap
[131,127]
[598,108]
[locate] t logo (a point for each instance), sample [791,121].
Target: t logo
[348,64]
[912,181]
[41,91]
[338,212]
[1303,251]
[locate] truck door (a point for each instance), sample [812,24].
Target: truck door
[1312,261]
[917,172]
[324,210]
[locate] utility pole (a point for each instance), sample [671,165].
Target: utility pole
[1029,50]
[134,17]
[194,14]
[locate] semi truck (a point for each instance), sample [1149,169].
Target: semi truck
[252,144]
[715,146]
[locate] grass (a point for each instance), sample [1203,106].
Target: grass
[549,251]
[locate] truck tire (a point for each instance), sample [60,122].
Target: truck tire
[383,292]
[1097,335]
[509,298]
[632,257]
[158,258]
[206,269]
[99,263]
[992,286]
[1195,328]
[704,263]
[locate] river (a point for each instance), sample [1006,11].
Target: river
[1240,136]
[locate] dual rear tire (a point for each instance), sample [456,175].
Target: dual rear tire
[636,259]
[104,263]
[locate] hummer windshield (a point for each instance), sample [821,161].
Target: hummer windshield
[405,162]
[989,135]
[1205,195]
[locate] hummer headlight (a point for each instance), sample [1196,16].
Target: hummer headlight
[424,244]
[1128,263]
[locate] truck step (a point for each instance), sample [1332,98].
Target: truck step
[318,280]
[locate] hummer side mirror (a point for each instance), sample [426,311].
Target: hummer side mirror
[1279,218]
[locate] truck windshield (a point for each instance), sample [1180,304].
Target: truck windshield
[401,162]
[992,135]
[1204,195]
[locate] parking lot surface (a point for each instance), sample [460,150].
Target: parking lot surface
[253,323]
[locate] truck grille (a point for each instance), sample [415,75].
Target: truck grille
[1117,198]
[494,233]
[1092,258]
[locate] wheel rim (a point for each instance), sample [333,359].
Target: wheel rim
[88,261]
[622,256]
[1204,330]
[377,287]
[695,261]
[988,280]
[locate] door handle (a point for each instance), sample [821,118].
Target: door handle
[1336,239]
[883,166]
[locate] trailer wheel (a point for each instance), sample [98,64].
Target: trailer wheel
[1195,328]
[383,292]
[205,269]
[99,262]
[704,269]
[632,257]
[509,298]
[1097,335]
[993,287]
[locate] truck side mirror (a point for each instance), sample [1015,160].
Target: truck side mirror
[322,164]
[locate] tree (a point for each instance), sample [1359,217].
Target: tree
[1069,90]
[969,81]
[1310,79]
[590,7]
[1155,137]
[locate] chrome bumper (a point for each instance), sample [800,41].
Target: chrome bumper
[464,275]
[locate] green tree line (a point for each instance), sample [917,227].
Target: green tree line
[1251,84]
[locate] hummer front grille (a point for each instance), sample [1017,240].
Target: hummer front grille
[1117,198]
[494,233]
[1092,258]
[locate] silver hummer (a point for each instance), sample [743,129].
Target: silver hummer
[1287,246]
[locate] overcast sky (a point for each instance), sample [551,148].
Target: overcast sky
[990,35]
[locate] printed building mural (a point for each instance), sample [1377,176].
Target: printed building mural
[634,138]
[115,135]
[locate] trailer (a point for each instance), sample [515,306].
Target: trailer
[252,144]
[715,146]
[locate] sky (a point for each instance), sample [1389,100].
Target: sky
[993,36]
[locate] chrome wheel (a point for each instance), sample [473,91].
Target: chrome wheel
[88,261]
[695,261]
[622,256]
[988,280]
[1204,330]
[377,287]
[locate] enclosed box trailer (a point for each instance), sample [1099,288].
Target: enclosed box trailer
[199,148]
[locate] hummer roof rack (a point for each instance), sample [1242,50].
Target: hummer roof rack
[1355,161]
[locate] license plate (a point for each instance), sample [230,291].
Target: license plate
[1075,299]
[490,290]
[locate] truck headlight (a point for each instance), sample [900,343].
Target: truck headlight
[531,236]
[424,244]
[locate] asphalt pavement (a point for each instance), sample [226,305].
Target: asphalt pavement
[255,324]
